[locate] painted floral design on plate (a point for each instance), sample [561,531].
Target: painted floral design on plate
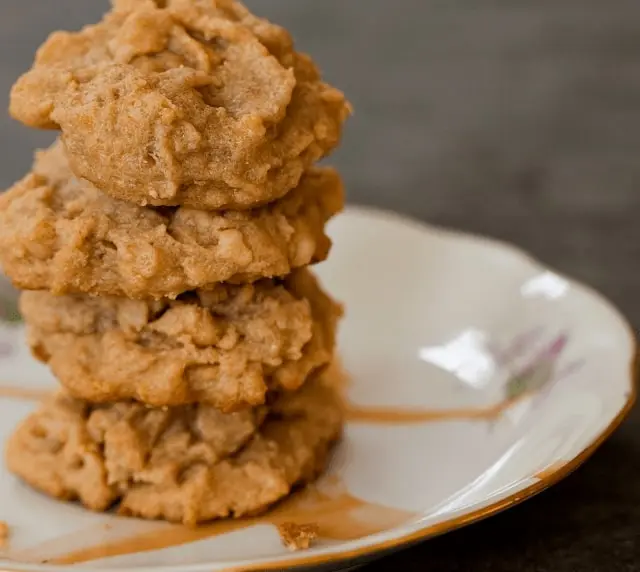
[540,371]
[9,312]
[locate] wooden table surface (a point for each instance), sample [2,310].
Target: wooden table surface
[519,119]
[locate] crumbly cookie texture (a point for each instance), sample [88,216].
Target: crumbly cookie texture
[61,234]
[172,464]
[226,347]
[297,536]
[183,102]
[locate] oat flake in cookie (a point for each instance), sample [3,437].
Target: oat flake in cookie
[227,114]
[172,464]
[226,347]
[61,234]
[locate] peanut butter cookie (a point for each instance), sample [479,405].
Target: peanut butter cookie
[180,464]
[61,234]
[226,347]
[183,102]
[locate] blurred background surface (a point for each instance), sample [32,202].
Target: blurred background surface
[514,118]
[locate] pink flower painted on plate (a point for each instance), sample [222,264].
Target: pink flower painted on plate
[518,346]
[6,349]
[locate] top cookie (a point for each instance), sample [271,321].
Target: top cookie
[183,102]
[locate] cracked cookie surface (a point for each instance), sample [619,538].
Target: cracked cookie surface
[226,347]
[172,464]
[183,102]
[61,234]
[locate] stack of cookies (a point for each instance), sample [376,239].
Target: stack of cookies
[163,243]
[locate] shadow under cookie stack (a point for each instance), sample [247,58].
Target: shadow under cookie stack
[163,243]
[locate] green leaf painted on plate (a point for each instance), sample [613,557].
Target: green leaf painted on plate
[539,373]
[529,381]
[9,311]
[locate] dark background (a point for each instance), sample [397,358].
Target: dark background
[515,118]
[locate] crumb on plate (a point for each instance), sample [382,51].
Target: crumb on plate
[297,536]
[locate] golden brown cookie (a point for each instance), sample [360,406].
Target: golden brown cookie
[61,234]
[183,102]
[177,464]
[226,347]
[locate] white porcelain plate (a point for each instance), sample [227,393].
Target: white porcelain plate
[477,377]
